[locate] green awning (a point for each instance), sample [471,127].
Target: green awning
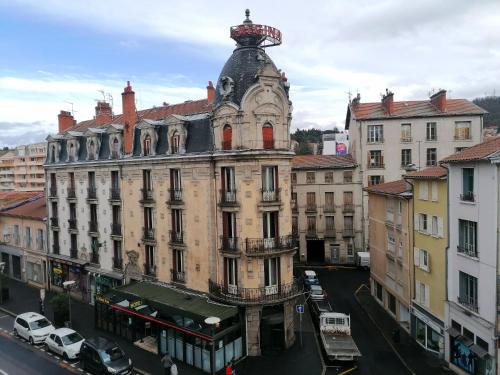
[190,302]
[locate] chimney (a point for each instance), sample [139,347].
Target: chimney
[129,118]
[66,121]
[438,100]
[355,102]
[210,92]
[103,113]
[388,101]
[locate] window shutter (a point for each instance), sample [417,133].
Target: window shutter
[434,191]
[440,227]
[427,295]
[416,256]
[416,222]
[417,291]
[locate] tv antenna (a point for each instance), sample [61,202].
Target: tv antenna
[72,107]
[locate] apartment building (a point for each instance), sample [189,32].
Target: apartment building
[23,246]
[430,240]
[7,170]
[472,268]
[326,208]
[189,201]
[28,167]
[390,212]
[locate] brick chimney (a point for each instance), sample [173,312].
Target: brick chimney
[355,101]
[129,118]
[103,113]
[438,100]
[210,92]
[388,101]
[65,120]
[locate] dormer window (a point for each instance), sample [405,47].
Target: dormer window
[71,152]
[92,155]
[267,136]
[146,145]
[115,149]
[175,143]
[53,154]
[227,137]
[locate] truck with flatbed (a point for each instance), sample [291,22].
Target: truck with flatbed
[335,333]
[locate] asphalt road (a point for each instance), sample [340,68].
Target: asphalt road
[377,356]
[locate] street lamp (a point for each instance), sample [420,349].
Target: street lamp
[212,322]
[2,266]
[68,285]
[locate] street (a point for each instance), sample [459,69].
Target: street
[377,356]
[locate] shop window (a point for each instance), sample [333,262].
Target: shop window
[483,344]
[468,334]
[227,137]
[456,325]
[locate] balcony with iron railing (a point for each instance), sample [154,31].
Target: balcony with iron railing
[348,232]
[73,253]
[229,244]
[329,208]
[270,196]
[148,234]
[116,229]
[175,197]
[294,205]
[178,276]
[311,207]
[254,296]
[274,245]
[94,257]
[469,303]
[150,270]
[91,193]
[117,263]
[468,250]
[71,193]
[311,233]
[467,196]
[228,197]
[375,164]
[348,208]
[176,237]
[54,222]
[72,224]
[53,192]
[330,233]
[114,194]
[56,249]
[147,196]
[93,227]
[406,139]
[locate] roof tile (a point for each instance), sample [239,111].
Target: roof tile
[323,161]
[9,199]
[34,209]
[392,188]
[477,152]
[434,172]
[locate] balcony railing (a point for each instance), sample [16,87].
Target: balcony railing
[253,296]
[294,205]
[72,223]
[348,232]
[117,263]
[147,195]
[94,257]
[406,139]
[150,269]
[330,232]
[376,165]
[178,276]
[91,193]
[467,197]
[55,249]
[311,232]
[257,246]
[311,207]
[53,192]
[73,253]
[54,221]
[148,234]
[229,244]
[268,143]
[228,197]
[116,229]
[175,195]
[348,207]
[93,226]
[176,237]
[468,250]
[462,137]
[114,194]
[469,303]
[329,208]
[270,195]
[71,193]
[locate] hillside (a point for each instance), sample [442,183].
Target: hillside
[492,105]
[307,136]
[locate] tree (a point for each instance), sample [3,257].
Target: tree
[60,306]
[303,149]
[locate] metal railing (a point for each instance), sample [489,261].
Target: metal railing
[53,192]
[349,232]
[467,196]
[178,276]
[54,221]
[116,229]
[267,294]
[270,195]
[93,226]
[114,194]
[72,223]
[147,195]
[94,257]
[91,193]
[468,250]
[117,263]
[468,302]
[229,243]
[228,197]
[175,195]
[73,253]
[176,237]
[148,234]
[150,270]
[55,249]
[330,208]
[348,207]
[256,246]
[311,207]
[406,139]
[71,192]
[330,232]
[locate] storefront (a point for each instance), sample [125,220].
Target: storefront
[173,320]
[12,257]
[469,356]
[427,330]
[63,268]
[101,281]
[36,269]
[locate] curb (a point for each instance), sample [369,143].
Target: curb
[403,362]
[8,312]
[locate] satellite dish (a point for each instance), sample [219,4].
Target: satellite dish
[212,320]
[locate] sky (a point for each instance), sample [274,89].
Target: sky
[63,55]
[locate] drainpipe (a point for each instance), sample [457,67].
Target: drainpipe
[412,277]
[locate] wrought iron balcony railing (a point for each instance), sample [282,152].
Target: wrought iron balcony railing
[147,195]
[270,196]
[114,194]
[53,192]
[71,193]
[330,232]
[150,269]
[229,244]
[467,196]
[116,229]
[468,250]
[348,207]
[228,197]
[54,221]
[148,234]
[91,193]
[72,223]
[262,246]
[348,232]
[469,303]
[178,276]
[175,195]
[176,237]
[93,226]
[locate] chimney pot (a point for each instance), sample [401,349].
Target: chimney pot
[103,113]
[65,121]
[439,100]
[388,101]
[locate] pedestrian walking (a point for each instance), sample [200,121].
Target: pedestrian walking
[173,369]
[229,369]
[167,364]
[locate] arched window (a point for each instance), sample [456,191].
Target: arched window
[267,136]
[92,151]
[227,137]
[146,145]
[53,154]
[115,148]
[175,143]
[71,152]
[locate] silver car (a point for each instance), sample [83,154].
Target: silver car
[317,293]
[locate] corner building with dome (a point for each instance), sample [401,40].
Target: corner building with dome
[175,221]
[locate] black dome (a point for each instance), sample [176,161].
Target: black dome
[241,68]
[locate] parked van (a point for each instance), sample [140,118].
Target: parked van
[363,259]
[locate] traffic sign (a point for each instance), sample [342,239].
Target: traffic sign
[299,309]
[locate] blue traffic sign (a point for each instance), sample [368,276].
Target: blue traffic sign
[299,309]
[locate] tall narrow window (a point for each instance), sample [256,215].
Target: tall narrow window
[229,230]
[150,265]
[405,157]
[467,237]
[147,183]
[311,201]
[270,228]
[175,185]
[146,145]
[269,183]
[272,274]
[92,192]
[329,202]
[467,185]
[72,152]
[115,149]
[228,185]
[175,143]
[227,137]
[431,156]
[231,275]
[177,226]
[431,131]
[92,154]
[178,265]
[267,136]
[405,132]
[375,134]
[468,291]
[311,225]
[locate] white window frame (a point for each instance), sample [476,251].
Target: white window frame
[375,133]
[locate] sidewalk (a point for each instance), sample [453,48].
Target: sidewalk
[296,360]
[414,357]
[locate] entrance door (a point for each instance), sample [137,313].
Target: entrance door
[16,267]
[272,330]
[315,251]
[335,253]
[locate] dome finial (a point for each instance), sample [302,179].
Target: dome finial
[247,15]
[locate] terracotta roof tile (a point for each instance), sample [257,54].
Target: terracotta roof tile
[323,161]
[392,188]
[34,209]
[156,113]
[477,152]
[9,199]
[434,172]
[415,108]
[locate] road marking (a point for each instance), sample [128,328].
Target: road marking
[2,372]
[4,316]
[348,371]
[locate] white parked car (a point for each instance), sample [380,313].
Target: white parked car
[33,327]
[65,342]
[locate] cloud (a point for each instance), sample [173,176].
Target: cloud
[13,132]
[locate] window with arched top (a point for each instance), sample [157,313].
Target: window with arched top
[115,149]
[267,136]
[71,152]
[53,154]
[175,142]
[227,137]
[92,155]
[146,145]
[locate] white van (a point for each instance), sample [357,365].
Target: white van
[33,327]
[363,259]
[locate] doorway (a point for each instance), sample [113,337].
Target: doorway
[272,330]
[315,251]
